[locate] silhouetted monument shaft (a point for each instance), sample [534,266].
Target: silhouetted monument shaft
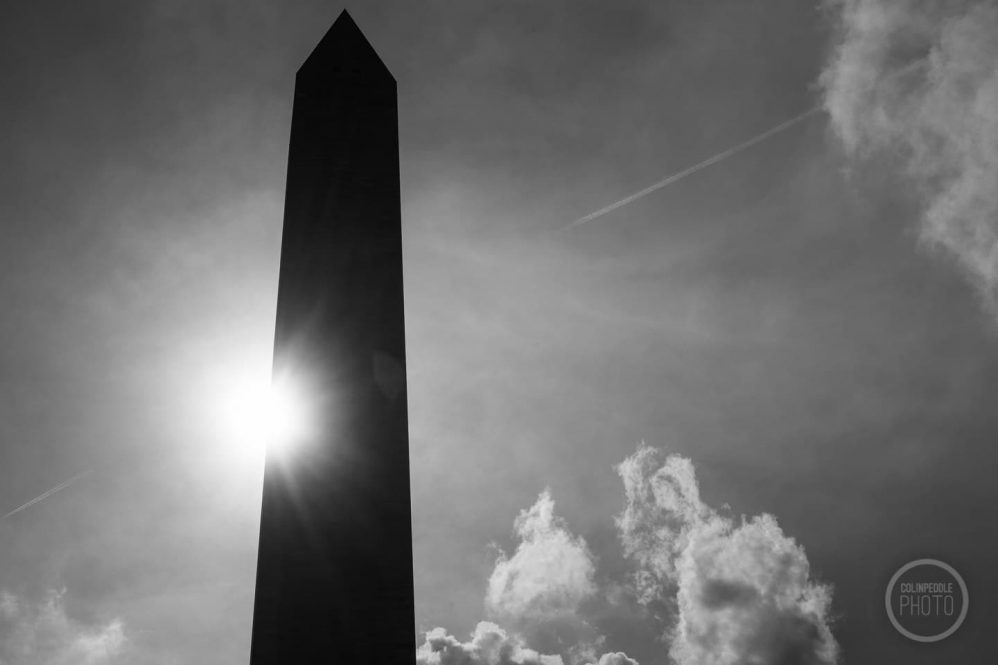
[334,576]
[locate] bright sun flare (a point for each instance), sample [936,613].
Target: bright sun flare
[259,415]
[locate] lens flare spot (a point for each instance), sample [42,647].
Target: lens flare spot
[260,418]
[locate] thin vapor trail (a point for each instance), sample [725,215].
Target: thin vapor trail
[42,497]
[913,66]
[675,177]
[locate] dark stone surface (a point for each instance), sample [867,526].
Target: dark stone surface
[334,576]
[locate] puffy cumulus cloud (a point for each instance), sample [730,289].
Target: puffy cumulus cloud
[745,596]
[489,645]
[724,591]
[539,593]
[551,571]
[616,659]
[538,590]
[663,502]
[741,591]
[918,80]
[42,634]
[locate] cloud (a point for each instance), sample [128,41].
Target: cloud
[663,502]
[489,645]
[616,659]
[538,591]
[740,591]
[551,571]
[42,634]
[917,80]
[719,591]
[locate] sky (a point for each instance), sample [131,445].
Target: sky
[777,372]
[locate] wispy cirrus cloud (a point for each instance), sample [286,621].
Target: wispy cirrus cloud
[917,81]
[41,633]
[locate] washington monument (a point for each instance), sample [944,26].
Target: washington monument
[334,575]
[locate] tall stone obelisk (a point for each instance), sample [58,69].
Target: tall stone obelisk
[334,575]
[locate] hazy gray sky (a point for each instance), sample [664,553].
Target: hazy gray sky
[797,320]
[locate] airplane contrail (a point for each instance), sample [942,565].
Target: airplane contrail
[721,156]
[45,495]
[675,177]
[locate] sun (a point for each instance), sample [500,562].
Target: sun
[259,417]
[284,417]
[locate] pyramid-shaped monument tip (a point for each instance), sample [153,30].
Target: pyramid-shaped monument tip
[344,50]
